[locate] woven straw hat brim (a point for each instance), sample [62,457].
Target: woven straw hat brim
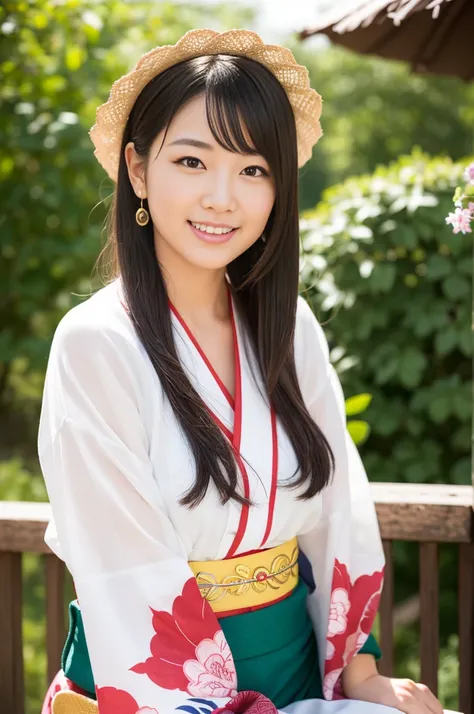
[111,117]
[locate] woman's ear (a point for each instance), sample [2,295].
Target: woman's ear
[136,170]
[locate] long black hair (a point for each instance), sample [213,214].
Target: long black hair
[265,277]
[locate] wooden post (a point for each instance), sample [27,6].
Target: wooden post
[466,628]
[385,665]
[12,698]
[429,619]
[55,621]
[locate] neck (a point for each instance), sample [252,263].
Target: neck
[198,294]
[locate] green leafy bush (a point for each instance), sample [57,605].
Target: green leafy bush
[392,286]
[58,63]
[376,110]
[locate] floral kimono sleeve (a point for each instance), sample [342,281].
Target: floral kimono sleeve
[344,547]
[155,645]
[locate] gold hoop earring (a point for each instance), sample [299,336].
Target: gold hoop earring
[142,216]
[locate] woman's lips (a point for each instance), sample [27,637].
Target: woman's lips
[215,238]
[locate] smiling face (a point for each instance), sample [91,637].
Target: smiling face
[190,180]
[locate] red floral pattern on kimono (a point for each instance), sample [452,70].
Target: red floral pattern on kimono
[189,650]
[116,701]
[352,612]
[60,683]
[248,703]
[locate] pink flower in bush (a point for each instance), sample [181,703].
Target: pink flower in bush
[469,173]
[460,220]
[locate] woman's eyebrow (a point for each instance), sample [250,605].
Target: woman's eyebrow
[197,143]
[192,142]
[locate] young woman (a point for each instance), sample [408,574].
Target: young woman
[192,435]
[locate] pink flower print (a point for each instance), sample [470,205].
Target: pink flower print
[370,612]
[330,681]
[361,640]
[330,649]
[469,173]
[354,643]
[212,673]
[352,611]
[460,220]
[338,610]
[178,639]
[470,207]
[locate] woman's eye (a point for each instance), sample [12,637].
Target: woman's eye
[256,168]
[190,162]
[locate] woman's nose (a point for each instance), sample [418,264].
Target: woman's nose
[219,194]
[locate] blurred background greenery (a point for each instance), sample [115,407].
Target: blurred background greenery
[383,272]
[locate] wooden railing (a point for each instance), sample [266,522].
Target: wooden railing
[429,515]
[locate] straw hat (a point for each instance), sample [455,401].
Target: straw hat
[111,117]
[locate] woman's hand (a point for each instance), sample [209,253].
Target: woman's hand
[360,680]
[402,694]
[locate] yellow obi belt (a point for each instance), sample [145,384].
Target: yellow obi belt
[249,581]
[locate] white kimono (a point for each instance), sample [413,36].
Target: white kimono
[116,465]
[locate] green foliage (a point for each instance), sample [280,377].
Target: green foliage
[57,65]
[18,483]
[392,285]
[359,430]
[407,645]
[375,110]
[62,60]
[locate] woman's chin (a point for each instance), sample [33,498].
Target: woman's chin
[198,254]
[216,258]
[210,263]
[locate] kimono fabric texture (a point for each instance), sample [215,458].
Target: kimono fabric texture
[228,607]
[273,648]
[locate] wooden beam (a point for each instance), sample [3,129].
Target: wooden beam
[424,513]
[22,526]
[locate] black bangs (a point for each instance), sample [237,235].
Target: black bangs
[225,122]
[237,88]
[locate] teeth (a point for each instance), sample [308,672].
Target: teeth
[211,229]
